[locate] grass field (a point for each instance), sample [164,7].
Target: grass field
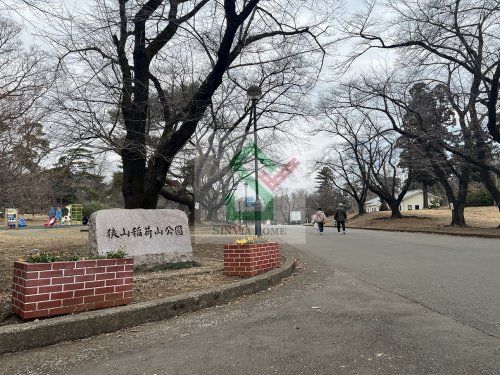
[480,220]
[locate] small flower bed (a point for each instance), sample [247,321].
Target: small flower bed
[251,256]
[45,257]
[252,240]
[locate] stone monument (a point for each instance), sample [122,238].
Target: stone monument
[152,237]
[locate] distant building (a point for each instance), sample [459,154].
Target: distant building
[413,200]
[373,205]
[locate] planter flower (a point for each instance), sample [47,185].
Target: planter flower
[53,287]
[251,256]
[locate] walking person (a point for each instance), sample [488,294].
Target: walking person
[340,217]
[320,220]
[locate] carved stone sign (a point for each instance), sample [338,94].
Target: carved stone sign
[151,236]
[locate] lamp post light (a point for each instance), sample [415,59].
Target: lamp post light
[254,93]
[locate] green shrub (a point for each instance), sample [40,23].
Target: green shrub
[90,207]
[45,257]
[111,255]
[478,198]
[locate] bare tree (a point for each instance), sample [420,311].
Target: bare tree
[147,46]
[24,79]
[285,202]
[225,129]
[455,42]
[346,175]
[373,148]
[421,122]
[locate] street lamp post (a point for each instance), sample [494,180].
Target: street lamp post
[239,212]
[254,93]
[246,204]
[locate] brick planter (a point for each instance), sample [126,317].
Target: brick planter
[48,289]
[251,259]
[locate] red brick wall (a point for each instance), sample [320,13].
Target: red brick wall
[48,289]
[251,259]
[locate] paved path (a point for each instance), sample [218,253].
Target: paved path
[364,303]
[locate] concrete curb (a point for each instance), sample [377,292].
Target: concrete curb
[480,235]
[78,326]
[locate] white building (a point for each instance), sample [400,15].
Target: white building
[413,200]
[373,205]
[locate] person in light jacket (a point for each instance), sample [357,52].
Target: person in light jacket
[341,217]
[320,219]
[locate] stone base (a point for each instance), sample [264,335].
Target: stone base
[152,260]
[251,259]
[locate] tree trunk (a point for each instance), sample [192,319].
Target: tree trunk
[489,182]
[458,200]
[135,114]
[425,190]
[484,153]
[133,180]
[210,213]
[193,218]
[395,211]
[152,194]
[457,214]
[361,207]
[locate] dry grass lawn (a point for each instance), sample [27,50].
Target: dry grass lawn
[15,244]
[480,221]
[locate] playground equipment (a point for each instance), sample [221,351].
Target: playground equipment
[74,216]
[11,218]
[22,222]
[49,223]
[75,213]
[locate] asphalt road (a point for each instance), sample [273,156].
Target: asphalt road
[364,303]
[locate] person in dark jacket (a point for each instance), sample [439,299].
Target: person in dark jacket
[341,217]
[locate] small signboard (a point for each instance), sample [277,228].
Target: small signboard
[249,201]
[11,217]
[295,217]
